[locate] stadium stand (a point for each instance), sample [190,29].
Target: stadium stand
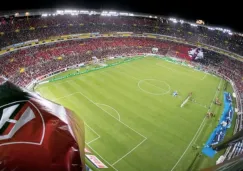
[24,65]
[17,30]
[28,62]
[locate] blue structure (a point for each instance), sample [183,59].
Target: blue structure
[220,131]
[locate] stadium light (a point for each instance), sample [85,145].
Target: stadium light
[59,12]
[85,12]
[16,14]
[113,13]
[74,14]
[130,14]
[27,14]
[67,11]
[44,15]
[110,13]
[92,13]
[210,28]
[193,25]
[226,31]
[220,29]
[173,20]
[124,13]
[181,21]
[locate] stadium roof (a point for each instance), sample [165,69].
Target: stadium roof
[109,13]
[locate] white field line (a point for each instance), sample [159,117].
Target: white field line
[155,85]
[156,94]
[101,157]
[151,84]
[195,136]
[189,145]
[119,117]
[204,77]
[94,132]
[216,94]
[64,96]
[92,140]
[127,74]
[96,104]
[196,103]
[175,70]
[129,152]
[112,116]
[199,130]
[141,80]
[144,138]
[209,109]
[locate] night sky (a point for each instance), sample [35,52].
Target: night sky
[225,14]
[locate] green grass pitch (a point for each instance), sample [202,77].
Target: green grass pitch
[132,121]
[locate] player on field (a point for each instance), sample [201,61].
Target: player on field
[175,94]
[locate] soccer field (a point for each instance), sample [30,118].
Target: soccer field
[132,121]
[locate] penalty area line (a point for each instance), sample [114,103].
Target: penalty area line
[119,116]
[101,157]
[129,152]
[145,138]
[94,132]
[92,140]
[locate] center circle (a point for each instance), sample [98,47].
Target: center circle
[154,87]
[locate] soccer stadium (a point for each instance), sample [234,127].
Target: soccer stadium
[153,93]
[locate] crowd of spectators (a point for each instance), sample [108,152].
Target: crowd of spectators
[19,30]
[25,65]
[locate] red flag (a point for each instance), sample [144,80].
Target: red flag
[36,134]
